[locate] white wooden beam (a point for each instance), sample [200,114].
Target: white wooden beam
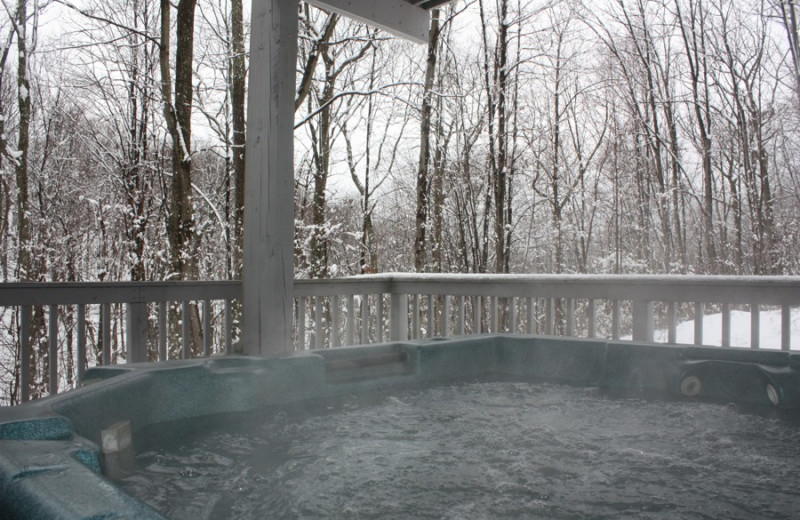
[395,16]
[268,270]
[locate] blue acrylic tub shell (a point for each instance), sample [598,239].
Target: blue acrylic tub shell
[50,461]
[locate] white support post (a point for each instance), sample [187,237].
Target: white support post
[268,271]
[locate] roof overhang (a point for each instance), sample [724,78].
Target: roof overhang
[405,18]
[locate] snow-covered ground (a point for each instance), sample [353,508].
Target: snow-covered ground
[770,330]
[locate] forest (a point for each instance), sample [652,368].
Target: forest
[544,136]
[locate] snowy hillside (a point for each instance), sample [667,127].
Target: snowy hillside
[740,330]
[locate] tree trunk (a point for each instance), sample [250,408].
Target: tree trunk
[178,115]
[501,174]
[238,79]
[423,168]
[24,261]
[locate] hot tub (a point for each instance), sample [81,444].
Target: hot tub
[51,465]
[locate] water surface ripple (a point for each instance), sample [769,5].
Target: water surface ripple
[484,450]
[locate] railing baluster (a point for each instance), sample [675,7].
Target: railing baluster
[335,321]
[672,323]
[163,353]
[81,312]
[431,322]
[461,320]
[415,328]
[301,323]
[207,332]
[513,304]
[495,317]
[25,352]
[570,317]
[318,322]
[351,319]
[591,311]
[477,307]
[52,348]
[364,319]
[379,318]
[755,326]
[549,317]
[105,319]
[698,323]
[186,330]
[786,327]
[531,325]
[445,316]
[228,328]
[615,315]
[726,325]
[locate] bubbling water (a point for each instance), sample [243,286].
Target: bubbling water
[480,450]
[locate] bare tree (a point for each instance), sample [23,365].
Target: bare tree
[787,11]
[693,28]
[178,116]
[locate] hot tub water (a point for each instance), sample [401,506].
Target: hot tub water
[479,450]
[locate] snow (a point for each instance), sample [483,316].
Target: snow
[770,330]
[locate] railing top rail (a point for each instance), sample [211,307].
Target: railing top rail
[62,293]
[767,290]
[771,290]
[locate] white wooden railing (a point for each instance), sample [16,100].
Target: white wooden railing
[403,306]
[90,303]
[377,308]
